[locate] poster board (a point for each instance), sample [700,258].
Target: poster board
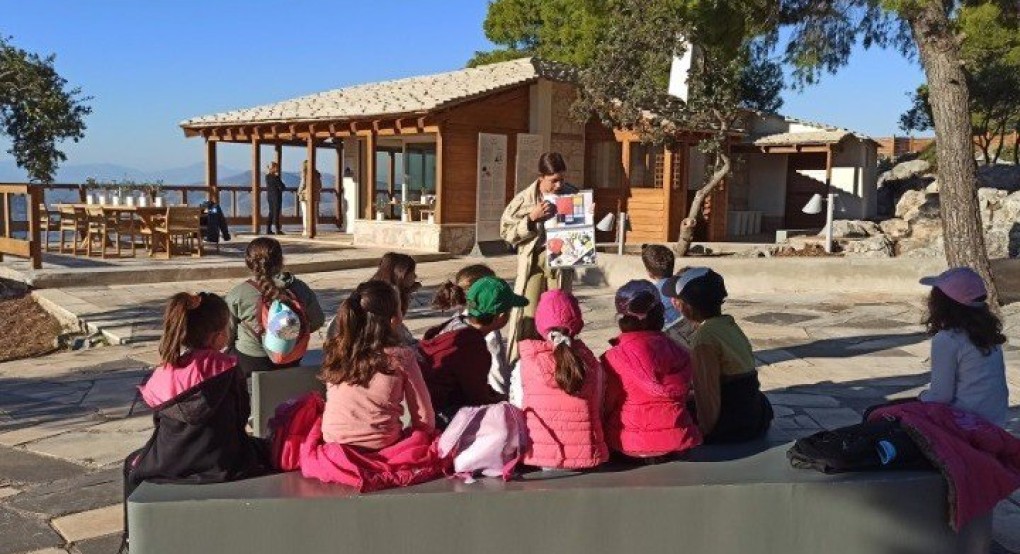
[350,179]
[491,195]
[529,150]
[570,234]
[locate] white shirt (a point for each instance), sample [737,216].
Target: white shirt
[967,379]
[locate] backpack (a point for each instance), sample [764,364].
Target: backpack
[488,440]
[856,448]
[282,349]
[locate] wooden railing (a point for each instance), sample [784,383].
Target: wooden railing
[231,198]
[20,235]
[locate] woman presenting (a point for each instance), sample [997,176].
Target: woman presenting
[522,226]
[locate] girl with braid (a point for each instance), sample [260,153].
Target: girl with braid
[264,258]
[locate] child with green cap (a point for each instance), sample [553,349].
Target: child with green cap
[455,358]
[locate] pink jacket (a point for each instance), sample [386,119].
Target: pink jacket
[565,430]
[167,382]
[297,444]
[648,378]
[980,460]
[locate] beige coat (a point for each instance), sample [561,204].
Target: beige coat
[303,187]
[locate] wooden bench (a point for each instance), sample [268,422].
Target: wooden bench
[710,504]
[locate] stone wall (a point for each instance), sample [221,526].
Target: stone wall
[455,239]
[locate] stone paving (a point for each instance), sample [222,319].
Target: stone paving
[67,420]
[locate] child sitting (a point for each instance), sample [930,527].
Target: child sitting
[455,357]
[200,403]
[729,402]
[453,295]
[967,368]
[559,385]
[659,262]
[368,373]
[648,379]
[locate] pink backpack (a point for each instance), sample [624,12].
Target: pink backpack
[488,440]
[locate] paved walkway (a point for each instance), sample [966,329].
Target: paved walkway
[68,420]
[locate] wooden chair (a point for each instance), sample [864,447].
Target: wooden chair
[72,220]
[117,223]
[184,223]
[48,221]
[95,229]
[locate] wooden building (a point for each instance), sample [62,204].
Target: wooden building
[455,147]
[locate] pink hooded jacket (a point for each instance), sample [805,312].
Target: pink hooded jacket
[648,378]
[565,430]
[980,460]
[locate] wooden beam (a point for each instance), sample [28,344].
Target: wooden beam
[667,189]
[439,175]
[313,205]
[338,185]
[210,171]
[354,128]
[421,125]
[828,169]
[256,184]
[368,187]
[391,178]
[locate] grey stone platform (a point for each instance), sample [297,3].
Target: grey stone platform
[753,504]
[269,389]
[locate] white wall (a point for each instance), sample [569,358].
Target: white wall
[854,178]
[766,181]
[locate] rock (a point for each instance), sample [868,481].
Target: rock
[873,247]
[914,248]
[926,230]
[914,205]
[932,188]
[1003,177]
[904,171]
[895,228]
[849,229]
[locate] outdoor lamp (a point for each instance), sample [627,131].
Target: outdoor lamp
[606,224]
[814,206]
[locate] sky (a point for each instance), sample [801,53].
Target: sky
[149,65]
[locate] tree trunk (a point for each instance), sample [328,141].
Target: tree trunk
[949,98]
[683,244]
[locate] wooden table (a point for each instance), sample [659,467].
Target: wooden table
[148,216]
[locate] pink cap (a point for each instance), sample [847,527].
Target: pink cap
[557,308]
[962,284]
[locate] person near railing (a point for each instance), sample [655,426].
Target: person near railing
[274,191]
[305,195]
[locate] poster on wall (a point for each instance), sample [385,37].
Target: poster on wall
[529,150]
[570,234]
[491,196]
[349,180]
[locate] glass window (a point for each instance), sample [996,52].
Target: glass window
[606,165]
[646,165]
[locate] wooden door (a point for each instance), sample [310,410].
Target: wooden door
[805,177]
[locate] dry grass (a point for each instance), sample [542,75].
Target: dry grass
[26,330]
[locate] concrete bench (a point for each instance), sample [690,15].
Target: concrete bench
[745,505]
[271,388]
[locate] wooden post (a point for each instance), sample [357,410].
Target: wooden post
[828,169]
[256,184]
[313,205]
[210,171]
[667,190]
[338,185]
[439,177]
[34,247]
[370,167]
[391,181]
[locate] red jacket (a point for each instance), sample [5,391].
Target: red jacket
[455,364]
[648,378]
[980,460]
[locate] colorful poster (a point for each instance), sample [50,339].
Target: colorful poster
[491,198]
[570,234]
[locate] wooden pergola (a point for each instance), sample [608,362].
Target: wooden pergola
[312,135]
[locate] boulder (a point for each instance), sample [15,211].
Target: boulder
[932,188]
[905,170]
[915,205]
[850,229]
[873,247]
[1003,177]
[895,228]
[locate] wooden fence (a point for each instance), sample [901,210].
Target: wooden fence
[20,233]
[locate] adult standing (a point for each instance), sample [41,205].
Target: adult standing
[306,193]
[522,226]
[274,192]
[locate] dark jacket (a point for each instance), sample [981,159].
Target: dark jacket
[199,434]
[455,363]
[274,183]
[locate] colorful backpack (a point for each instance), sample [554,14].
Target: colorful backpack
[282,327]
[488,440]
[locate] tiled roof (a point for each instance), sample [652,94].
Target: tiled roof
[812,137]
[414,95]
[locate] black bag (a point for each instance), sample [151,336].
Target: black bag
[855,448]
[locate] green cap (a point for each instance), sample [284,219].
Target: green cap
[492,296]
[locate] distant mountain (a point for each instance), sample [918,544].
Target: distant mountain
[291,179]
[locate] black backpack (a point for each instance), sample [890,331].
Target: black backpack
[855,448]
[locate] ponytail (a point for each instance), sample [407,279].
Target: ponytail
[189,323]
[453,293]
[357,352]
[264,258]
[570,370]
